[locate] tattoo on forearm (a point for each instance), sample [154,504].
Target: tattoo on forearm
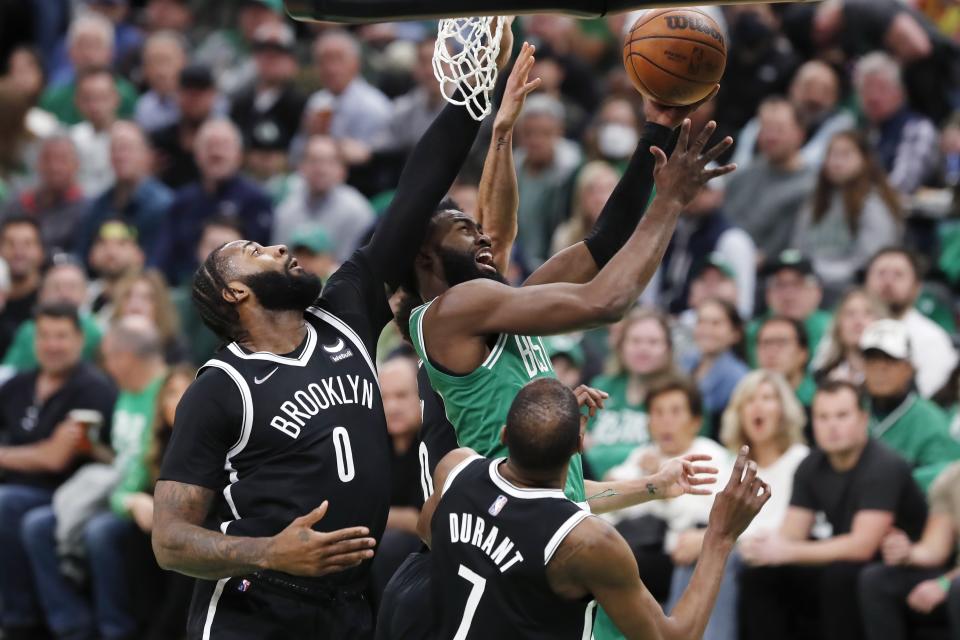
[651,489]
[502,142]
[606,493]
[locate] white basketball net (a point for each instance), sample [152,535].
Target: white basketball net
[465,62]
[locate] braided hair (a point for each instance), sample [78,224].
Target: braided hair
[217,313]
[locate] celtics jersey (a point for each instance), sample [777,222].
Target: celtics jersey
[477,403]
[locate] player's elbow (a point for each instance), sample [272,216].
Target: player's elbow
[609,306]
[163,548]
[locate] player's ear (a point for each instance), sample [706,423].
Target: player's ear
[503,435]
[236,292]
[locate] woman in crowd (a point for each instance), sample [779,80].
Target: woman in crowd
[853,214]
[717,365]
[839,356]
[593,187]
[643,353]
[764,414]
[147,294]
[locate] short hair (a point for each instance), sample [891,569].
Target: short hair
[221,122]
[167,35]
[85,74]
[673,383]
[792,415]
[833,387]
[540,104]
[877,63]
[543,426]
[798,328]
[219,221]
[138,336]
[780,101]
[60,311]
[209,283]
[91,21]
[13,221]
[896,251]
[341,35]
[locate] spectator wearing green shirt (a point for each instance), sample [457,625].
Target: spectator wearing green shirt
[783,347]
[791,290]
[133,356]
[913,426]
[64,282]
[643,353]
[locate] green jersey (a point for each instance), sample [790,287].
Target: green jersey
[477,403]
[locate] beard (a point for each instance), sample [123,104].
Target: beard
[459,267]
[283,290]
[898,307]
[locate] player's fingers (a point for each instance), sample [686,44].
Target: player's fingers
[749,474]
[697,457]
[532,86]
[704,137]
[683,142]
[694,491]
[716,150]
[720,171]
[348,546]
[312,518]
[701,481]
[661,157]
[350,533]
[345,561]
[702,469]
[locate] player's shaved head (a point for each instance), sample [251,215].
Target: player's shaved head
[543,426]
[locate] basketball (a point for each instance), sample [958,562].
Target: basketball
[675,56]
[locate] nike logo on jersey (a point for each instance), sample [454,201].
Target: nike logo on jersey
[266,377]
[337,347]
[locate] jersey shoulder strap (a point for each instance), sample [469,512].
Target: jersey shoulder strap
[456,471]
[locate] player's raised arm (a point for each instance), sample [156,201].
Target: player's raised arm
[427,176]
[484,307]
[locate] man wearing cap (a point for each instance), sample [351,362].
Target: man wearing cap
[791,290]
[567,358]
[324,200]
[114,256]
[312,248]
[913,426]
[893,277]
[714,280]
[703,234]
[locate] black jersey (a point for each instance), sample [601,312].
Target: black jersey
[436,438]
[492,542]
[276,435]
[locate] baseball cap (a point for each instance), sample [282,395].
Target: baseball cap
[788,259]
[314,239]
[274,37]
[887,336]
[565,346]
[116,230]
[716,261]
[196,76]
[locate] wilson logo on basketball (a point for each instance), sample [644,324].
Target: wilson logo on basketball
[678,23]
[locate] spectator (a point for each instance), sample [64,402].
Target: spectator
[675,416]
[593,187]
[643,353]
[765,198]
[97,102]
[894,277]
[313,250]
[146,294]
[853,214]
[916,578]
[136,198]
[222,191]
[22,252]
[269,111]
[912,426]
[783,347]
[704,233]
[414,111]
[57,202]
[905,142]
[114,256]
[864,489]
[545,164]
[164,57]
[133,357]
[197,101]
[202,342]
[815,95]
[64,283]
[324,201]
[717,366]
[614,133]
[838,356]
[43,446]
[715,280]
[14,112]
[27,78]
[90,46]
[567,358]
[401,405]
[791,290]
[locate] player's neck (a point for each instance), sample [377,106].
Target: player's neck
[531,480]
[277,332]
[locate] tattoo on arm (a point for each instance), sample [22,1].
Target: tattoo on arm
[502,141]
[651,489]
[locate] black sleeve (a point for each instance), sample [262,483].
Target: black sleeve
[357,296]
[427,176]
[881,480]
[208,422]
[804,495]
[629,200]
[437,435]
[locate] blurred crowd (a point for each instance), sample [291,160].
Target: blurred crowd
[136,136]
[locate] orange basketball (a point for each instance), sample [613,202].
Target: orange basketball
[675,56]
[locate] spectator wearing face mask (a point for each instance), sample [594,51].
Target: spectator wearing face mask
[614,133]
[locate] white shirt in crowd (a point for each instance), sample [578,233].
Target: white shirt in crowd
[932,352]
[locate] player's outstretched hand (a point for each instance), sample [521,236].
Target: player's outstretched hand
[517,89]
[737,505]
[681,177]
[506,43]
[681,476]
[590,398]
[672,117]
[301,551]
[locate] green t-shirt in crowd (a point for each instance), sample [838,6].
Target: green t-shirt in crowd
[806,391]
[130,436]
[22,354]
[61,101]
[618,429]
[919,431]
[816,325]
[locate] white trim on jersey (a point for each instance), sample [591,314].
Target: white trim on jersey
[299,361]
[562,533]
[495,352]
[346,330]
[212,607]
[518,492]
[455,472]
[588,621]
[245,429]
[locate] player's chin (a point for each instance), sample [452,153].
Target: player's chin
[487,269]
